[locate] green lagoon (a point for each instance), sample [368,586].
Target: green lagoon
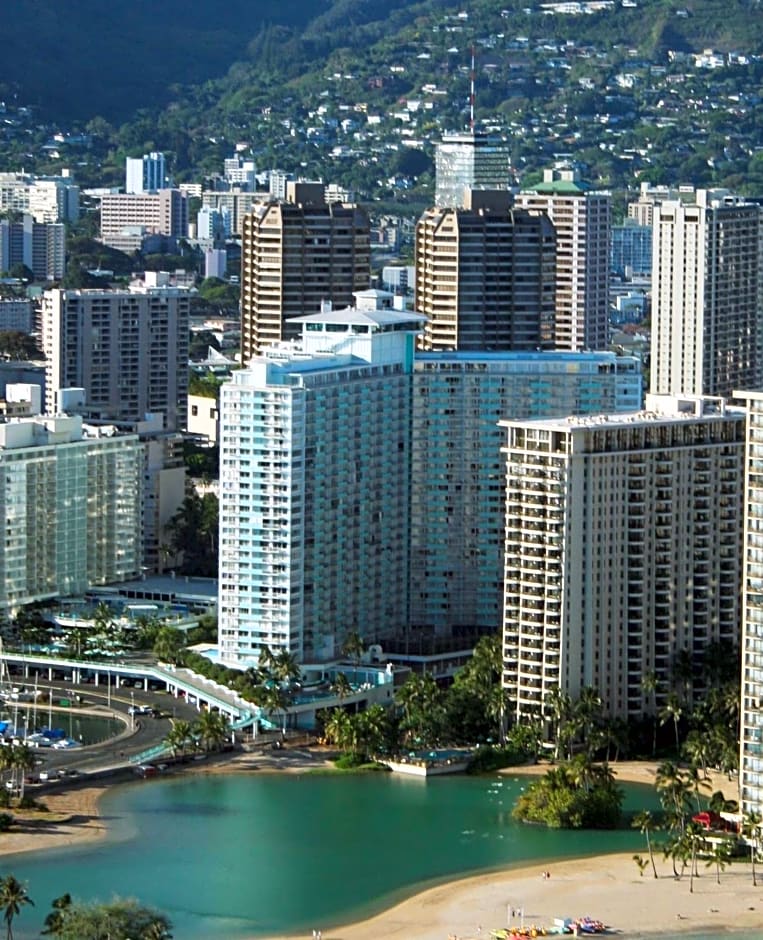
[253,855]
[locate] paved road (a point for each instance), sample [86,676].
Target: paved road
[140,733]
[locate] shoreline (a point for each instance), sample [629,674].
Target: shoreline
[606,887]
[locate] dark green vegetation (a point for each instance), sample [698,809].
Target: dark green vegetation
[118,919]
[91,58]
[576,795]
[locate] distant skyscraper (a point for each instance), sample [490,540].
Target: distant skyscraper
[485,275]
[707,295]
[469,160]
[581,220]
[295,255]
[623,549]
[631,249]
[127,349]
[145,174]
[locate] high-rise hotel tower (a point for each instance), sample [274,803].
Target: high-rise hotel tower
[623,549]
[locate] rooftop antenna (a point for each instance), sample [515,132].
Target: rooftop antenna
[471,96]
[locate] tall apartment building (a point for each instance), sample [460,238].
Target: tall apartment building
[295,255]
[38,245]
[127,349]
[348,465]
[485,275]
[751,736]
[458,477]
[314,468]
[46,199]
[707,295]
[70,509]
[581,221]
[240,171]
[146,174]
[470,160]
[127,218]
[623,549]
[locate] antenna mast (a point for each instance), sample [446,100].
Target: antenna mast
[471,96]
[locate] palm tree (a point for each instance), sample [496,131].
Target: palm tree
[23,761]
[645,823]
[720,856]
[559,706]
[353,648]
[649,685]
[341,686]
[54,922]
[751,828]
[180,737]
[212,729]
[337,728]
[13,895]
[672,711]
[372,729]
[587,710]
[275,701]
[286,669]
[495,709]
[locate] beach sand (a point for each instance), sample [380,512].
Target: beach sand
[608,888]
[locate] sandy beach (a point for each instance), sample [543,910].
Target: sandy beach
[608,888]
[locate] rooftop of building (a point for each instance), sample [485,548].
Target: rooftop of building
[376,321]
[660,409]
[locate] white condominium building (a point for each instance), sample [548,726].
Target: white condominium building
[471,160]
[581,220]
[623,550]
[707,295]
[458,476]
[127,349]
[751,737]
[70,509]
[314,478]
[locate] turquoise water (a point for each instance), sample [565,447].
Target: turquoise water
[243,856]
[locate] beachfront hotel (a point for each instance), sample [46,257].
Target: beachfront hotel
[362,486]
[751,719]
[314,479]
[70,508]
[623,549]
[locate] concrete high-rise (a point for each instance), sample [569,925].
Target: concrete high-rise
[707,295]
[127,349]
[127,218]
[751,718]
[470,160]
[581,221]
[146,174]
[458,478]
[348,465]
[70,508]
[485,275]
[623,549]
[295,255]
[314,468]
